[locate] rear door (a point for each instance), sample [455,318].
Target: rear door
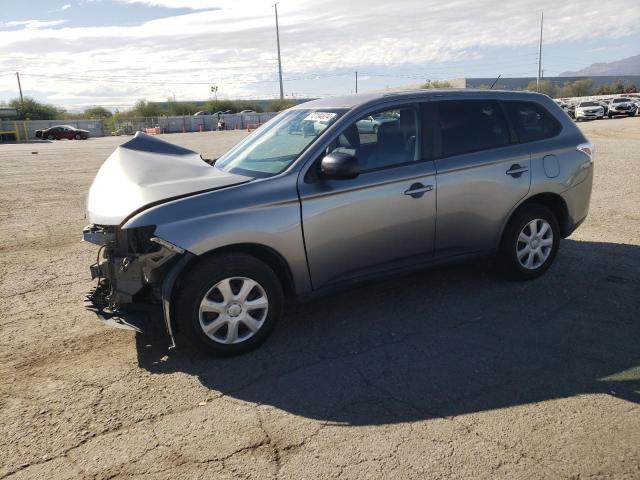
[382,220]
[482,174]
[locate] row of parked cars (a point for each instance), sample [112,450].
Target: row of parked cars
[598,109]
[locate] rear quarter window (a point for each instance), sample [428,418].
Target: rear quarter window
[532,121]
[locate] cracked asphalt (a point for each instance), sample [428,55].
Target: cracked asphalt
[448,373]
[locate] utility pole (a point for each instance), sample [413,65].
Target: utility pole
[540,54]
[19,88]
[356,81]
[275,5]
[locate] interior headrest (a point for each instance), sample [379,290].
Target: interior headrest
[350,138]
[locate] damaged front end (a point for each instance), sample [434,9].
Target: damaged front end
[135,272]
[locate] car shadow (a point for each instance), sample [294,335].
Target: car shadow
[441,342]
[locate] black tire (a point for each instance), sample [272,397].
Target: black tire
[203,277]
[609,115]
[632,114]
[509,262]
[78,136]
[50,137]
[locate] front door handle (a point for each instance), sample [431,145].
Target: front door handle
[417,190]
[516,170]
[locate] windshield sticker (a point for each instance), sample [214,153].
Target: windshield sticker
[320,116]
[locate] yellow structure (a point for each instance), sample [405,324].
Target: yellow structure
[16,131]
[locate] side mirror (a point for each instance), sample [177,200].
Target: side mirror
[339,166]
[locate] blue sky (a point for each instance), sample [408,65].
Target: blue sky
[77,53]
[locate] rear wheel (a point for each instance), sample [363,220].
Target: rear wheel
[530,242]
[229,304]
[50,137]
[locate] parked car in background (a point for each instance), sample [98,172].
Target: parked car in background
[372,123]
[62,131]
[247,112]
[605,106]
[202,112]
[216,246]
[588,111]
[622,106]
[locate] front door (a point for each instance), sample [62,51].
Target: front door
[383,219]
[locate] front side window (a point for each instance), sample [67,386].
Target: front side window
[277,143]
[384,139]
[531,121]
[471,125]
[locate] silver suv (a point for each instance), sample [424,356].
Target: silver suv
[311,202]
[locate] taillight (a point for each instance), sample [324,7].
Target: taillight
[586,148]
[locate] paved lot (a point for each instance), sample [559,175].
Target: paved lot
[452,373]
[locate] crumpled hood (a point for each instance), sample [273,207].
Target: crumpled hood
[145,171]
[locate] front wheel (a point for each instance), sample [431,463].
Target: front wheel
[78,136]
[229,304]
[530,242]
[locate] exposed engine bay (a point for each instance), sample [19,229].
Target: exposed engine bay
[130,269]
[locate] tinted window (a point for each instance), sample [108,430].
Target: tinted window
[620,100]
[589,104]
[383,139]
[471,125]
[531,121]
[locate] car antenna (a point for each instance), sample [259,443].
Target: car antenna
[494,82]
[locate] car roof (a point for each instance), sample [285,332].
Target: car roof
[351,101]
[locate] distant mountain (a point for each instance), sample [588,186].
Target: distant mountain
[626,66]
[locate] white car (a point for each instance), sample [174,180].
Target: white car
[589,111]
[622,106]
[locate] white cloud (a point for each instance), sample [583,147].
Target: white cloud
[66,7]
[233,45]
[32,24]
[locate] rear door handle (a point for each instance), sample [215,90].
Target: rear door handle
[516,170]
[417,190]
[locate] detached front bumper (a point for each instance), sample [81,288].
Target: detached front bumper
[135,272]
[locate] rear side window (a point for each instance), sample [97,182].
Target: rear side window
[471,125]
[532,121]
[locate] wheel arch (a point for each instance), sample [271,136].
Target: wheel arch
[262,252]
[553,202]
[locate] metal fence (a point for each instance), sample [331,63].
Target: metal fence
[191,123]
[20,130]
[25,130]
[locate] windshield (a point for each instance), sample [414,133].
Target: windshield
[278,143]
[620,100]
[589,104]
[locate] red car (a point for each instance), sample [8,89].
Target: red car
[62,131]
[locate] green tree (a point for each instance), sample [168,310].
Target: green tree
[579,88]
[181,108]
[29,109]
[631,88]
[436,84]
[278,106]
[97,112]
[546,86]
[143,108]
